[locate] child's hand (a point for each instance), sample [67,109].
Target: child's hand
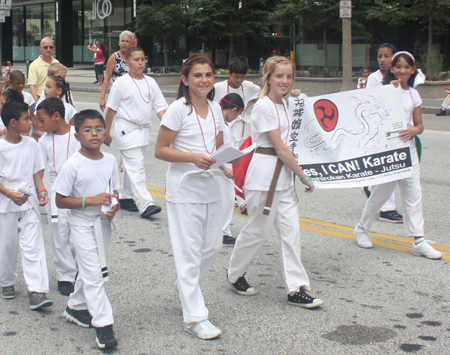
[235,161]
[295,92]
[101,199]
[17,198]
[227,172]
[43,199]
[202,161]
[111,213]
[407,134]
[396,83]
[108,139]
[309,186]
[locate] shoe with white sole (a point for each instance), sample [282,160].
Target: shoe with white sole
[204,330]
[362,237]
[426,250]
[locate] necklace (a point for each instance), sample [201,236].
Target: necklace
[54,159]
[278,116]
[201,129]
[148,87]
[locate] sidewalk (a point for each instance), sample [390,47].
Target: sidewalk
[81,78]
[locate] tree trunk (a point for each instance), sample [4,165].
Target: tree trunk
[430,34]
[325,49]
[166,56]
[231,54]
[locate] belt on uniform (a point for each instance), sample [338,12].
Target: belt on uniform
[131,126]
[276,175]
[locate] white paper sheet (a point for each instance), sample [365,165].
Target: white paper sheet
[227,153]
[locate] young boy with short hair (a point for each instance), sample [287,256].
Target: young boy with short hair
[87,185]
[56,146]
[20,164]
[132,98]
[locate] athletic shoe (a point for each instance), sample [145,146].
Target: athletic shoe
[426,250]
[65,287]
[242,287]
[8,292]
[128,204]
[105,337]
[302,299]
[204,330]
[150,211]
[81,318]
[366,191]
[228,240]
[243,207]
[362,237]
[441,112]
[38,300]
[391,217]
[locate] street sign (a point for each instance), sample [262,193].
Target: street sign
[345,9]
[5,4]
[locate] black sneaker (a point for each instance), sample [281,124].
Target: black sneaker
[38,300]
[366,191]
[150,211]
[8,292]
[391,217]
[128,204]
[242,287]
[65,287]
[81,318]
[228,240]
[441,112]
[105,337]
[302,299]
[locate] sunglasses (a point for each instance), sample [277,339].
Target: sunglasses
[48,47]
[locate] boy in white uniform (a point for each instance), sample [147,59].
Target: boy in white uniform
[87,184]
[20,164]
[17,79]
[56,146]
[132,98]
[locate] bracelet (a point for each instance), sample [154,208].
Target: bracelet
[306,180]
[41,191]
[83,203]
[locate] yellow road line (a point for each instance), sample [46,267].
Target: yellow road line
[336,230]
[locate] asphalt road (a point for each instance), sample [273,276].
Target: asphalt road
[377,301]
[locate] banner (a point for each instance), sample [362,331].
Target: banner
[350,139]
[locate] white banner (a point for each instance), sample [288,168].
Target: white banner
[350,139]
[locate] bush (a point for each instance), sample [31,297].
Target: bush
[433,62]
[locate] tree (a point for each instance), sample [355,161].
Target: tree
[164,19]
[228,18]
[433,13]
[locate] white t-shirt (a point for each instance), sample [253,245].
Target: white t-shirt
[56,149]
[70,110]
[261,168]
[18,163]
[189,138]
[28,98]
[2,128]
[410,100]
[375,79]
[84,177]
[127,99]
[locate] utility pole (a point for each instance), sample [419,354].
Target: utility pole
[345,12]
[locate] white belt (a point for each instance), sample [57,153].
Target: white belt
[131,126]
[25,188]
[205,173]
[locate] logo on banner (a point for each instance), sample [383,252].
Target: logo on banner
[326,114]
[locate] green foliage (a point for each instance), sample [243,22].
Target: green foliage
[170,69]
[433,62]
[323,72]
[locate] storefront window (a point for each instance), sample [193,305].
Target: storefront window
[48,18]
[33,31]
[18,33]
[93,29]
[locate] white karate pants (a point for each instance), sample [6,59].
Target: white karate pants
[284,216]
[133,183]
[411,197]
[227,204]
[446,103]
[89,290]
[63,253]
[196,238]
[389,203]
[23,229]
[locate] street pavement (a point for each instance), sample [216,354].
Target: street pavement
[377,301]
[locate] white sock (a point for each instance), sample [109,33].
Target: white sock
[418,241]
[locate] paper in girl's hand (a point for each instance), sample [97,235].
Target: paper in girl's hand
[227,153]
[109,190]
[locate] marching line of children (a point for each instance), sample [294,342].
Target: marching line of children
[198,199]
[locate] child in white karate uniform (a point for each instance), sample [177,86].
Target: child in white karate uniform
[232,106]
[87,185]
[56,146]
[132,99]
[275,207]
[191,130]
[403,69]
[57,87]
[20,164]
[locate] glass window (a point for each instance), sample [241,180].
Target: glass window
[48,18]
[77,17]
[18,33]
[33,31]
[93,29]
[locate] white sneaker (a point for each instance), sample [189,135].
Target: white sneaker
[204,330]
[362,237]
[426,250]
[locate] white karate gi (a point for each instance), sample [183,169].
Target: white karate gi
[227,188]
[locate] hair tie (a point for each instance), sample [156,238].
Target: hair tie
[277,61]
[223,99]
[190,60]
[404,53]
[389,45]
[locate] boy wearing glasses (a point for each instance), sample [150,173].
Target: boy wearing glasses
[37,73]
[56,146]
[87,185]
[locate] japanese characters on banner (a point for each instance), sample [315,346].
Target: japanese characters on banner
[350,139]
